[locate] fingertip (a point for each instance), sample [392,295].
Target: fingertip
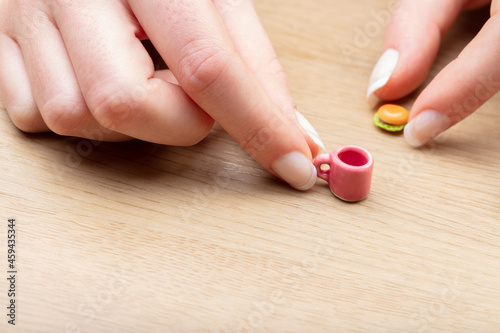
[401,70]
[412,40]
[311,182]
[381,73]
[425,126]
[296,169]
[312,133]
[373,100]
[410,137]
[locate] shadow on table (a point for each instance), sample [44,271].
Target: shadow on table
[216,157]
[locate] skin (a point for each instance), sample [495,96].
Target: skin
[415,30]
[78,68]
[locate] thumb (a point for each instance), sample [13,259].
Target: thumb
[412,40]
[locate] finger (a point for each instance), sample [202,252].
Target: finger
[166,75]
[116,76]
[255,48]
[411,44]
[161,69]
[459,89]
[16,90]
[55,87]
[197,48]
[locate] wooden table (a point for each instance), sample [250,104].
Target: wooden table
[138,237]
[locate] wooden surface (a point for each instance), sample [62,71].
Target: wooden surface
[137,237]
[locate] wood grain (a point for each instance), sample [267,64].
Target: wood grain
[138,237]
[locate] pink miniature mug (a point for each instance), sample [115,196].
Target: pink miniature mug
[349,174]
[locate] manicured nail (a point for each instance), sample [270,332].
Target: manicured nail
[381,74]
[426,126]
[310,130]
[296,169]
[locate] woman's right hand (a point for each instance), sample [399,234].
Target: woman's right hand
[78,68]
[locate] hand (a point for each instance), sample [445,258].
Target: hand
[412,40]
[78,68]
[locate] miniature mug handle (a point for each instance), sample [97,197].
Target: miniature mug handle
[323,159]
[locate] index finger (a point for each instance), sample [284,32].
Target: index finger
[193,40]
[459,89]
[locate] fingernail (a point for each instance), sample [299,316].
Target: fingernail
[381,74]
[296,169]
[424,127]
[310,130]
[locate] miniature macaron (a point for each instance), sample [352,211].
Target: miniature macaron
[390,117]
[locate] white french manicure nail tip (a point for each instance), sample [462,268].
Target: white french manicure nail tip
[382,72]
[310,182]
[296,169]
[410,137]
[373,100]
[424,127]
[309,129]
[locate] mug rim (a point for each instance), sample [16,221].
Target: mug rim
[358,149]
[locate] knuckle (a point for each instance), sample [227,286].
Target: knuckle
[202,67]
[273,68]
[257,141]
[31,22]
[24,118]
[64,115]
[115,108]
[198,134]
